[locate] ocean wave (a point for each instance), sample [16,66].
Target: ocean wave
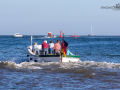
[13,65]
[116,55]
[59,65]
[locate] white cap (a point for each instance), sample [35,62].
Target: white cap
[45,41]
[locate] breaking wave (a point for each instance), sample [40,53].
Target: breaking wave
[59,65]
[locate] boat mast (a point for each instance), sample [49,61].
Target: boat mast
[61,48]
[91,29]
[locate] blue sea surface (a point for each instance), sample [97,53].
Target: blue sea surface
[98,69]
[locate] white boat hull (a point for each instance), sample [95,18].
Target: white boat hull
[50,37]
[42,59]
[17,35]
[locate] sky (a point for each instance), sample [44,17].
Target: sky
[38,17]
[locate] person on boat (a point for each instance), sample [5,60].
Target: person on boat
[68,52]
[45,48]
[51,45]
[35,48]
[57,48]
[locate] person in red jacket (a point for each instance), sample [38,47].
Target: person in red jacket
[45,48]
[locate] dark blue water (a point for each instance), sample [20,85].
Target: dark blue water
[98,69]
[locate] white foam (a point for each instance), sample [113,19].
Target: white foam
[28,65]
[71,65]
[91,64]
[93,74]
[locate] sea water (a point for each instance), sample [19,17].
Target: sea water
[98,69]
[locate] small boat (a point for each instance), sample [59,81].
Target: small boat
[91,32]
[50,35]
[17,35]
[32,57]
[74,35]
